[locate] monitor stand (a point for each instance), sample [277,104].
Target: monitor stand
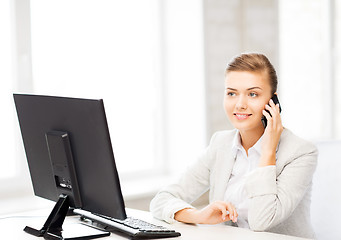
[60,153]
[52,228]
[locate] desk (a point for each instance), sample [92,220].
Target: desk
[11,227]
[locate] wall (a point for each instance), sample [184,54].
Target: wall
[233,27]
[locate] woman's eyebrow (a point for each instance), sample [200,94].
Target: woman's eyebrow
[252,88]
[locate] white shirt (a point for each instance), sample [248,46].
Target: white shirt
[244,164]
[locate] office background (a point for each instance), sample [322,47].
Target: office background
[159,66]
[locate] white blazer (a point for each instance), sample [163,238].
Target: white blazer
[279,197]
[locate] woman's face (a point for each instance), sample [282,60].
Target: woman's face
[246,94]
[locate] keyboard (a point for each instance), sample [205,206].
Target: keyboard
[132,227]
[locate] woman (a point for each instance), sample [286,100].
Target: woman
[258,177]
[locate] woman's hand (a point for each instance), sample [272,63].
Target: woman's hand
[214,213]
[271,135]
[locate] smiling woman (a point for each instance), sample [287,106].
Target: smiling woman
[243,102]
[254,81]
[258,177]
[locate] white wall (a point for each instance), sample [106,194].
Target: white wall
[233,27]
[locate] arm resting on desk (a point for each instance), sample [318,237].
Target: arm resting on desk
[214,213]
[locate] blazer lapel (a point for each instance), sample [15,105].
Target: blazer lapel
[225,160]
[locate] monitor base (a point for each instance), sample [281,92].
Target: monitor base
[52,228]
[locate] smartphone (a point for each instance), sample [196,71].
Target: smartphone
[275,100]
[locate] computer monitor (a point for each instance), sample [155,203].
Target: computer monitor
[69,154]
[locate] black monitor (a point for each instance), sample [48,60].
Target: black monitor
[70,156]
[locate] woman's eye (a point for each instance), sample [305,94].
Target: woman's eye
[253,94]
[231,94]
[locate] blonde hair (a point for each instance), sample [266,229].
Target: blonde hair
[254,62]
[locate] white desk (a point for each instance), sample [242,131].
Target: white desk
[11,227]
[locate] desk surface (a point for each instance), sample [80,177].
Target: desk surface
[11,227]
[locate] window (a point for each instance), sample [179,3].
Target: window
[104,49]
[8,161]
[309,79]
[144,58]
[337,65]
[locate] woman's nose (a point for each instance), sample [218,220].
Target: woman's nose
[241,103]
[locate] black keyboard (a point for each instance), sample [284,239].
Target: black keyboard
[133,227]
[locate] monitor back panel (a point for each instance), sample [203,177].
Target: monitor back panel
[85,122]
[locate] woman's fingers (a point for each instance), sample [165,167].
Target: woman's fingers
[218,212]
[232,212]
[228,211]
[273,117]
[224,213]
[268,118]
[223,208]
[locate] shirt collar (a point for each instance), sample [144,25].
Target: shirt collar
[237,144]
[258,145]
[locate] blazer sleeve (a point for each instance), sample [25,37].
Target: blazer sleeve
[192,184]
[272,197]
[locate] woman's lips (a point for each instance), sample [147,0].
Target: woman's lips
[242,116]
